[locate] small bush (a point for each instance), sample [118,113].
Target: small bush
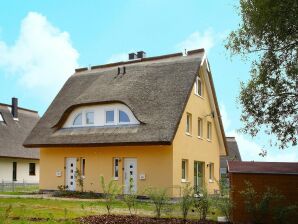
[110,191]
[283,215]
[202,204]
[130,199]
[187,200]
[159,198]
[80,179]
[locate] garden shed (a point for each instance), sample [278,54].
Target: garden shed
[281,176]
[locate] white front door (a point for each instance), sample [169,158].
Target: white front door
[130,175]
[70,179]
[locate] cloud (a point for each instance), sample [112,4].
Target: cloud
[250,150]
[42,58]
[196,40]
[118,57]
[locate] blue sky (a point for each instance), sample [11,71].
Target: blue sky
[41,42]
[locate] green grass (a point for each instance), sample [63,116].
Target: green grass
[20,190]
[57,210]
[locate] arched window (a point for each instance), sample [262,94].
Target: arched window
[78,119]
[123,117]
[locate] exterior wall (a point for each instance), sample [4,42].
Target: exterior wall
[153,161]
[6,169]
[193,148]
[285,184]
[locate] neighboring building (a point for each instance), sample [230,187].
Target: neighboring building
[233,155]
[154,121]
[17,163]
[281,176]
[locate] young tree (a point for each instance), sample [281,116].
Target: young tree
[269,33]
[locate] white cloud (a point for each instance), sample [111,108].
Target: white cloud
[197,40]
[118,57]
[42,58]
[250,150]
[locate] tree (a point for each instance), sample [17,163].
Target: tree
[269,35]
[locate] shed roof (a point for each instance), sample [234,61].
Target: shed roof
[262,167]
[13,132]
[156,90]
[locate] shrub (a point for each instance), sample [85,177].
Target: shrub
[258,206]
[80,179]
[130,199]
[187,200]
[159,198]
[110,191]
[283,215]
[202,204]
[225,205]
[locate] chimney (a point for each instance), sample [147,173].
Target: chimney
[14,107]
[141,54]
[132,56]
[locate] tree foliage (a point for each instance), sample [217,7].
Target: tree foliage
[269,34]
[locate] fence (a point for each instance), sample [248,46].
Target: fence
[18,187]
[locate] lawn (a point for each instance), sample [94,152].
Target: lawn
[57,211]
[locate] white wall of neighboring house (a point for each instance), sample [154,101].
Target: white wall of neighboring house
[6,170]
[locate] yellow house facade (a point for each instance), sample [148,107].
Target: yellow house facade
[154,121]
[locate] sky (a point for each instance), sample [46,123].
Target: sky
[42,42]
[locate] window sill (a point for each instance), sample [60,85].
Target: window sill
[188,134]
[209,140]
[211,181]
[199,96]
[115,178]
[199,137]
[184,181]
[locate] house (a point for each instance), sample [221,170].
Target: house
[154,121]
[17,164]
[233,155]
[281,176]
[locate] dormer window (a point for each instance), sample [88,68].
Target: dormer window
[110,117]
[78,120]
[90,118]
[123,117]
[114,114]
[1,118]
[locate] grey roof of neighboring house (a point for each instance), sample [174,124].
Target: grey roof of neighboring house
[14,132]
[233,152]
[155,89]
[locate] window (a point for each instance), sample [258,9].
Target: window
[123,117]
[32,169]
[110,117]
[188,123]
[211,171]
[1,118]
[14,171]
[209,130]
[198,86]
[83,165]
[90,118]
[78,119]
[116,168]
[184,170]
[200,128]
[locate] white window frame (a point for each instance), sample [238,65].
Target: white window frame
[1,118]
[85,116]
[184,175]
[196,86]
[188,123]
[209,130]
[105,117]
[114,168]
[200,127]
[119,117]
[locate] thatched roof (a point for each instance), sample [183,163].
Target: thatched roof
[155,89]
[14,132]
[233,152]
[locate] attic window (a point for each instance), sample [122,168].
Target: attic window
[78,120]
[198,86]
[123,117]
[90,118]
[1,118]
[110,117]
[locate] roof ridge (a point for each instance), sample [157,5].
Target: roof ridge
[21,108]
[138,60]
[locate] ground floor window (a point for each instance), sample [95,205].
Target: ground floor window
[184,169]
[116,168]
[211,171]
[32,169]
[14,171]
